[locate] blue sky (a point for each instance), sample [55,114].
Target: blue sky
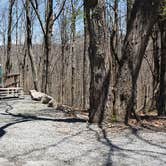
[3,3]
[38,36]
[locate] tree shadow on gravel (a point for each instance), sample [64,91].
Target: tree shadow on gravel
[66,138]
[106,142]
[20,118]
[134,131]
[104,139]
[101,136]
[2,129]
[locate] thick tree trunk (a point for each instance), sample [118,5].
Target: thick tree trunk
[162,90]
[143,17]
[29,45]
[99,60]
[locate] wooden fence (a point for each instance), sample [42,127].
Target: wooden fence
[12,80]
[11,87]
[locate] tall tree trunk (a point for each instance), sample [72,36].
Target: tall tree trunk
[73,63]
[99,60]
[143,17]
[114,46]
[162,89]
[46,77]
[114,37]
[84,60]
[129,9]
[156,68]
[9,38]
[24,67]
[29,45]
[62,69]
[64,40]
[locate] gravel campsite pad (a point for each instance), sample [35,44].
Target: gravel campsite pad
[33,135]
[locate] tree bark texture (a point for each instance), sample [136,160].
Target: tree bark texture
[64,41]
[73,38]
[156,66]
[8,66]
[162,87]
[85,66]
[99,60]
[46,74]
[143,17]
[29,45]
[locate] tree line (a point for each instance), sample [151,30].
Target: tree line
[102,67]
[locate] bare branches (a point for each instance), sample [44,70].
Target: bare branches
[38,15]
[56,16]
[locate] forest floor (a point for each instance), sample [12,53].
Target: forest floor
[33,135]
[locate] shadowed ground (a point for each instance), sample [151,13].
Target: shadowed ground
[33,135]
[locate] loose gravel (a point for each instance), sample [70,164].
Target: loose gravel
[33,135]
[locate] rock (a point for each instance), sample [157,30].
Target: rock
[52,103]
[46,99]
[36,95]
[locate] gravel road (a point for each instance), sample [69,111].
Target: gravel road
[33,135]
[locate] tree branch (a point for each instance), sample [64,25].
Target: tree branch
[56,16]
[38,16]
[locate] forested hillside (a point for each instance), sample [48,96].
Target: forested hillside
[105,56]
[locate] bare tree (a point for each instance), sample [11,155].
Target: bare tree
[29,44]
[129,9]
[8,66]
[46,78]
[47,28]
[156,63]
[85,66]
[64,41]
[3,32]
[162,88]
[99,59]
[143,17]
